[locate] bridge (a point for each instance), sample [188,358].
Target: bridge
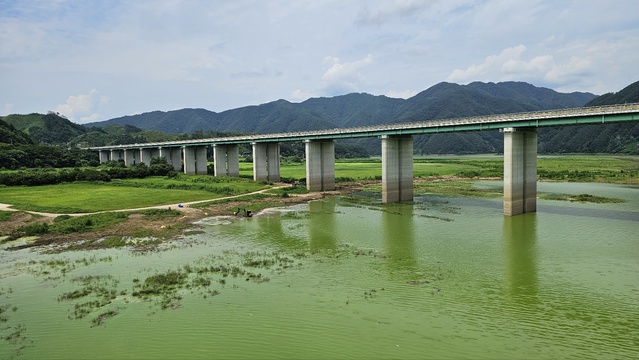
[520,150]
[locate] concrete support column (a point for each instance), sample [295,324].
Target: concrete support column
[219,160]
[260,170]
[266,161]
[165,152]
[520,171]
[397,169]
[201,160]
[189,159]
[129,156]
[233,160]
[175,156]
[104,155]
[155,152]
[116,155]
[145,156]
[226,160]
[273,161]
[320,165]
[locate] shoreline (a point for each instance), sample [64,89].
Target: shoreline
[172,221]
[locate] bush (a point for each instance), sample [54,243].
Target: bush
[30,230]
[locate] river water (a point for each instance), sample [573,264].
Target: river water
[443,278]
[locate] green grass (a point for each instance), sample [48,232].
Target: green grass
[598,168]
[371,169]
[601,168]
[6,215]
[81,197]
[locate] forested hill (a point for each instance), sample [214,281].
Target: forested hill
[629,94]
[49,129]
[12,136]
[610,138]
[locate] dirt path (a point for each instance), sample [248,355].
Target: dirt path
[184,206]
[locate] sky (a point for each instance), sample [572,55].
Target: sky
[94,60]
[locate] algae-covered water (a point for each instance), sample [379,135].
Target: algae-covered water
[445,277]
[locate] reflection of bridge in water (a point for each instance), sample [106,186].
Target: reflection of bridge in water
[520,150]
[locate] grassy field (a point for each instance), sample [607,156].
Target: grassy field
[81,197]
[137,193]
[602,168]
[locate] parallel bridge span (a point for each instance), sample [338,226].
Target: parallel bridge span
[520,150]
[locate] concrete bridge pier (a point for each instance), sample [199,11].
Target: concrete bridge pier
[145,156]
[320,165]
[173,156]
[155,152]
[129,156]
[226,160]
[266,161]
[104,156]
[520,170]
[195,159]
[116,155]
[397,169]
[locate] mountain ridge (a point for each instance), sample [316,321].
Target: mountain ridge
[359,109]
[443,100]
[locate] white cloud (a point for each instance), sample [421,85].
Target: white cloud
[511,64]
[343,77]
[160,54]
[300,95]
[82,108]
[7,108]
[401,94]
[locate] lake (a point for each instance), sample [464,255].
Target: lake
[346,278]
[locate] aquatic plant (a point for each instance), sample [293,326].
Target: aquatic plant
[100,319]
[580,198]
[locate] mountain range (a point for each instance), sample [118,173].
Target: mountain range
[444,100]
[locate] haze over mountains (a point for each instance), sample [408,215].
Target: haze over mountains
[444,100]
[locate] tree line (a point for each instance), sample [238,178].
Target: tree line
[104,173]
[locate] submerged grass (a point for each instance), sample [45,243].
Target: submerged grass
[579,198]
[65,224]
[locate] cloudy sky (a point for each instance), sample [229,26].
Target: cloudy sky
[94,60]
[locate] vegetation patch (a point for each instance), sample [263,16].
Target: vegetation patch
[93,222]
[6,215]
[453,188]
[580,198]
[96,292]
[243,198]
